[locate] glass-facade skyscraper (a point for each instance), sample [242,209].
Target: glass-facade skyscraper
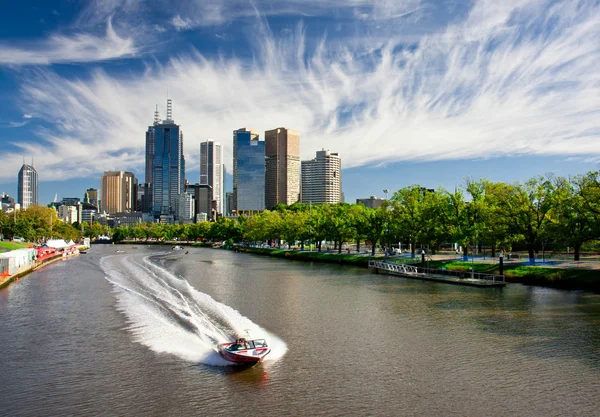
[168,168]
[27,186]
[248,171]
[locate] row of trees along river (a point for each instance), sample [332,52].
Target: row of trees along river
[546,211]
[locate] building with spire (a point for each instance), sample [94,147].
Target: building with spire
[248,172]
[168,169]
[27,186]
[282,167]
[211,170]
[150,146]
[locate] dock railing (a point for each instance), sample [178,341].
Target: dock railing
[408,269]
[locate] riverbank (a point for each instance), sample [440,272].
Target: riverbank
[554,277]
[6,281]
[514,272]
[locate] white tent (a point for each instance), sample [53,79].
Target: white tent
[57,243]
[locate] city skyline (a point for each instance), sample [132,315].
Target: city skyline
[419,91]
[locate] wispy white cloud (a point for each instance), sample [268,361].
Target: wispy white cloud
[510,79]
[18,124]
[181,24]
[80,47]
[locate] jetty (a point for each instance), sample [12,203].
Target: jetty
[470,278]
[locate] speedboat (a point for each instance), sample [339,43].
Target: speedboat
[244,351]
[177,247]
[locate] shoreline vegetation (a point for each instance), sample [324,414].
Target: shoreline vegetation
[514,272]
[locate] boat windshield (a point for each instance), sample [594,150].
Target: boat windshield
[260,343]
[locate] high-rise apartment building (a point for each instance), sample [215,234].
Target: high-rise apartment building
[27,186]
[168,168]
[322,179]
[211,170]
[248,172]
[118,190]
[282,167]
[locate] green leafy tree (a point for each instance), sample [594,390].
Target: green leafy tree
[573,220]
[527,208]
[407,211]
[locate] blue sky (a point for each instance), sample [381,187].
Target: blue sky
[413,91]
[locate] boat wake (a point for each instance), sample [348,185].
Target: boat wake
[168,315]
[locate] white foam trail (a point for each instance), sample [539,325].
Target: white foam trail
[167,314]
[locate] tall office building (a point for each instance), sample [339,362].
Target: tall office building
[229,203]
[211,170]
[168,168]
[91,196]
[150,140]
[27,186]
[118,190]
[282,167]
[322,179]
[248,172]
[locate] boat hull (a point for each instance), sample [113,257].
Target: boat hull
[249,356]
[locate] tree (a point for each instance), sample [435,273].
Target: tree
[375,224]
[527,208]
[573,220]
[407,212]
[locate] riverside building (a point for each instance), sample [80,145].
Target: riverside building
[211,170]
[168,169]
[248,172]
[27,186]
[282,167]
[322,179]
[118,190]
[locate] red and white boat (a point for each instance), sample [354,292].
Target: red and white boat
[244,351]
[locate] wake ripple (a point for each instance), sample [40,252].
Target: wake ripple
[166,314]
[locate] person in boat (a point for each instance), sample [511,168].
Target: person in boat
[240,344]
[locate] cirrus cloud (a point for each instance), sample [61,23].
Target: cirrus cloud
[512,79]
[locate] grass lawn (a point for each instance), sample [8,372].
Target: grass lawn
[564,278]
[14,245]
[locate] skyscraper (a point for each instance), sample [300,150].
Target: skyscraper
[118,190]
[248,171]
[150,139]
[27,186]
[322,179]
[168,168]
[282,167]
[211,170]
[91,196]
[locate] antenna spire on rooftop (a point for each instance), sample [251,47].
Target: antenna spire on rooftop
[156,116]
[169,109]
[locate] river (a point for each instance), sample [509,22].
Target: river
[133,333]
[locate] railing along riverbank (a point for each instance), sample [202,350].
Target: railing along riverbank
[471,278]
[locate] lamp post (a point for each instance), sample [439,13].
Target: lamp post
[387,225]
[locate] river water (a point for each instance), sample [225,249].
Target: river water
[133,333]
